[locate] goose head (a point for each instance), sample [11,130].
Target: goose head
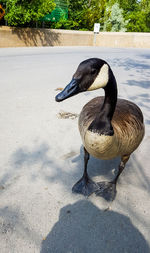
[91,74]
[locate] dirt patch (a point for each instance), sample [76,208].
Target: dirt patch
[67,115]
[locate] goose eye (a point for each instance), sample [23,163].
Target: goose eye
[93,71]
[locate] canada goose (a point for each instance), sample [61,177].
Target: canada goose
[109,127]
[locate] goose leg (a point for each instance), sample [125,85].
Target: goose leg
[85,185]
[107,190]
[122,164]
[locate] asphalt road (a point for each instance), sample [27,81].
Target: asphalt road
[41,157]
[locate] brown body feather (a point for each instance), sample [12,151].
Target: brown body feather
[128,128]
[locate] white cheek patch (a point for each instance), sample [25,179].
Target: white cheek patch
[101,80]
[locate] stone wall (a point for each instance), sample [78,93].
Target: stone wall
[22,37]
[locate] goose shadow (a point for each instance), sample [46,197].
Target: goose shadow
[82,227]
[106,170]
[97,168]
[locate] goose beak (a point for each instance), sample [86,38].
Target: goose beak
[70,90]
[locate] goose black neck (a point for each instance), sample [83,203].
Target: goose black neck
[102,122]
[110,100]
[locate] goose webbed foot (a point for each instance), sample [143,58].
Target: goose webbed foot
[107,190]
[85,186]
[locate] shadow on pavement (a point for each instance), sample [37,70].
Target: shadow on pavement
[128,64]
[83,228]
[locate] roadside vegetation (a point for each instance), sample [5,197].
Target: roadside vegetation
[113,15]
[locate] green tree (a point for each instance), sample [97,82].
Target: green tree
[139,17]
[135,12]
[21,12]
[82,14]
[114,20]
[93,13]
[128,5]
[145,6]
[137,22]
